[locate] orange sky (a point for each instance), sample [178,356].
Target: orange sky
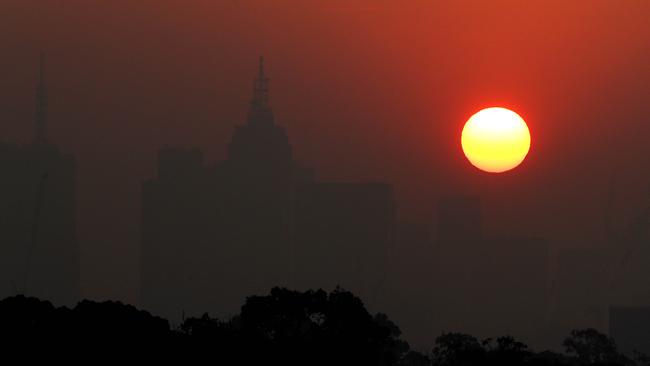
[368,89]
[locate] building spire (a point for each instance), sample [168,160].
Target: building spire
[260,89]
[260,112]
[40,133]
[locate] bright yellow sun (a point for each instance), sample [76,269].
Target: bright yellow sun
[495,139]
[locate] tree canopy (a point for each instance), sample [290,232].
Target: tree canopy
[283,327]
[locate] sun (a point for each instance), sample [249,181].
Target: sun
[495,140]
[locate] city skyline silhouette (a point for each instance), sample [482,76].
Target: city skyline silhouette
[140,165]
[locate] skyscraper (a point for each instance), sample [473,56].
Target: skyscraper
[630,327]
[39,254]
[214,234]
[487,284]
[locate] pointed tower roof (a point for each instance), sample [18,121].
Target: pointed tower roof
[260,144]
[260,111]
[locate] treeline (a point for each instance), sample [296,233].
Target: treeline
[284,328]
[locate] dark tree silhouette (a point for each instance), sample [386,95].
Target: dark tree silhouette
[507,351]
[117,321]
[641,359]
[284,327]
[300,328]
[548,358]
[27,317]
[457,349]
[294,326]
[591,347]
[414,358]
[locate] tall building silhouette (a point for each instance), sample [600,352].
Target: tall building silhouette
[487,285]
[213,234]
[599,280]
[39,254]
[630,328]
[343,233]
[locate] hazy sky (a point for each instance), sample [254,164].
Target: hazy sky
[368,90]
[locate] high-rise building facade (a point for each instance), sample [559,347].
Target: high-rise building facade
[39,254]
[488,285]
[214,234]
[630,328]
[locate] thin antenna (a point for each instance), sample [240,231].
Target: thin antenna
[260,88]
[260,112]
[40,132]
